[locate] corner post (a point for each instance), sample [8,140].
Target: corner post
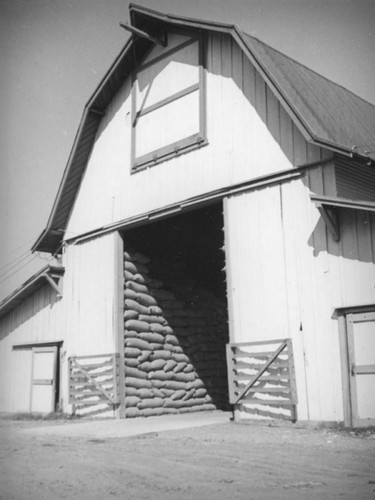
[118,320]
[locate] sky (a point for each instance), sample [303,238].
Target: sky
[53,54]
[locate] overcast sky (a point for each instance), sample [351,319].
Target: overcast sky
[53,54]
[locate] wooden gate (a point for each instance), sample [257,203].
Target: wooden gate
[94,382]
[361,347]
[261,378]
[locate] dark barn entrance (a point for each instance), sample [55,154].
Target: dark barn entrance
[176,321]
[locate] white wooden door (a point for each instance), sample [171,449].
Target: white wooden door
[361,344]
[43,379]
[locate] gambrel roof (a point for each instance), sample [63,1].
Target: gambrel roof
[327,114]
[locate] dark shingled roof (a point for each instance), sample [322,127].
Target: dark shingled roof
[332,114]
[326,113]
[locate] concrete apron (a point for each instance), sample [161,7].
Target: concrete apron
[117,428]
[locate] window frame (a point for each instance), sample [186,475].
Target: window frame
[185,144]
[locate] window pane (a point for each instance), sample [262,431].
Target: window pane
[364,343]
[167,77]
[168,124]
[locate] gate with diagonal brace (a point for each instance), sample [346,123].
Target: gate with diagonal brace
[261,378]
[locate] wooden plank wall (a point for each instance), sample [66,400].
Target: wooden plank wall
[89,294]
[248,132]
[287,276]
[38,319]
[87,318]
[93,297]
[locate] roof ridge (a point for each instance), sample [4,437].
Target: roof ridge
[133,7]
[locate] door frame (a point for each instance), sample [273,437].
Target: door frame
[35,350]
[342,314]
[351,319]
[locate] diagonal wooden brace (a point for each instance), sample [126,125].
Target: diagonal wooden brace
[93,381]
[264,368]
[330,217]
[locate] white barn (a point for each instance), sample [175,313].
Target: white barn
[216,231]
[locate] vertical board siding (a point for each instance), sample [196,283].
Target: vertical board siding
[38,319]
[91,301]
[87,319]
[293,195]
[313,153]
[357,257]
[320,332]
[286,135]
[287,276]
[90,292]
[249,135]
[260,97]
[273,115]
[322,180]
[299,147]
[257,271]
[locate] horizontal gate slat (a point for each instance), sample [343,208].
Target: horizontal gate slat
[90,379]
[250,368]
[266,390]
[82,404]
[270,402]
[242,378]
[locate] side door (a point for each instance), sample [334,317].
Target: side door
[43,379]
[361,351]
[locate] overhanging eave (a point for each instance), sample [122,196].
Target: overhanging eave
[48,274]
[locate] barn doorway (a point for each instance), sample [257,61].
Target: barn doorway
[176,319]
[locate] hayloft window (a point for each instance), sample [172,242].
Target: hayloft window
[168,102]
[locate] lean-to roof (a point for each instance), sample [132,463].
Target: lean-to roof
[39,279]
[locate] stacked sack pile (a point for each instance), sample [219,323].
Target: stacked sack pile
[174,339]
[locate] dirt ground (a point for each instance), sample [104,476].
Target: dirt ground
[221,461]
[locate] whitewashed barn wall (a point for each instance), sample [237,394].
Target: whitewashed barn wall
[93,299]
[286,277]
[38,319]
[248,133]
[87,319]
[90,295]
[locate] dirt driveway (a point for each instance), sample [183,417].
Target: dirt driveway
[218,461]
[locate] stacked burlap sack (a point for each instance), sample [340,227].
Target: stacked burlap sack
[174,340]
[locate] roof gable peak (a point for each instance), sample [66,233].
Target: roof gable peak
[326,113]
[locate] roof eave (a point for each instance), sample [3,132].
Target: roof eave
[90,106]
[343,150]
[30,285]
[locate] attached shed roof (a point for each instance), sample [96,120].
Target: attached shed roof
[326,113]
[39,279]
